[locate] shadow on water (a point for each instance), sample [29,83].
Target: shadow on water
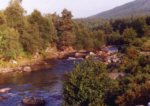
[45,84]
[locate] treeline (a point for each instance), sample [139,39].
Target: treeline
[22,34]
[123,31]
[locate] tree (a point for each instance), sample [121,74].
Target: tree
[98,39]
[138,25]
[87,84]
[30,39]
[9,43]
[65,29]
[129,35]
[15,15]
[114,39]
[47,32]
[54,18]
[2,18]
[107,28]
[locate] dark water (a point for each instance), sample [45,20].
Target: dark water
[45,84]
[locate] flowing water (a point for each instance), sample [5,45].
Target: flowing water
[46,84]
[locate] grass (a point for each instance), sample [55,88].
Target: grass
[26,58]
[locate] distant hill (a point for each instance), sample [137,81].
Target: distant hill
[137,7]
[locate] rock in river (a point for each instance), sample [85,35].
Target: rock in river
[5,90]
[71,58]
[80,55]
[33,101]
[27,69]
[2,98]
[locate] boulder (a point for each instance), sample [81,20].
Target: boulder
[80,55]
[92,54]
[71,58]
[5,90]
[14,62]
[6,70]
[99,53]
[117,75]
[115,60]
[109,61]
[27,69]
[86,57]
[33,101]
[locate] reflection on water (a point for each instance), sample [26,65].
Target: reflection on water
[46,84]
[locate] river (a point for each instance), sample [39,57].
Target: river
[46,84]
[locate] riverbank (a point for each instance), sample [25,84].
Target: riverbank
[107,54]
[35,62]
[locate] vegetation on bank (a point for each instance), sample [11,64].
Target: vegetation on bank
[23,36]
[89,83]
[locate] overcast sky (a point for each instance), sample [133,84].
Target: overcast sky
[79,8]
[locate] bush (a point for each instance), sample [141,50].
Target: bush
[9,44]
[87,84]
[129,36]
[134,90]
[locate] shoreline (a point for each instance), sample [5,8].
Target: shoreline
[39,62]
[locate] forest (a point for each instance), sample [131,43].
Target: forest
[88,84]
[22,34]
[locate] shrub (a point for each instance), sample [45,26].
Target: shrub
[87,84]
[9,44]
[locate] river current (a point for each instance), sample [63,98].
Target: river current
[46,84]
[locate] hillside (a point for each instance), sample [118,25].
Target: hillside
[137,7]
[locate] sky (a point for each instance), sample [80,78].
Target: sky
[79,8]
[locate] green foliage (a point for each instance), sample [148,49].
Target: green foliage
[46,29]
[86,39]
[9,43]
[114,39]
[87,84]
[134,90]
[15,15]
[30,39]
[2,19]
[82,34]
[65,29]
[98,38]
[129,35]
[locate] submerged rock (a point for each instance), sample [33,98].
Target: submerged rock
[27,69]
[92,54]
[71,58]
[2,98]
[80,55]
[33,101]
[5,90]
